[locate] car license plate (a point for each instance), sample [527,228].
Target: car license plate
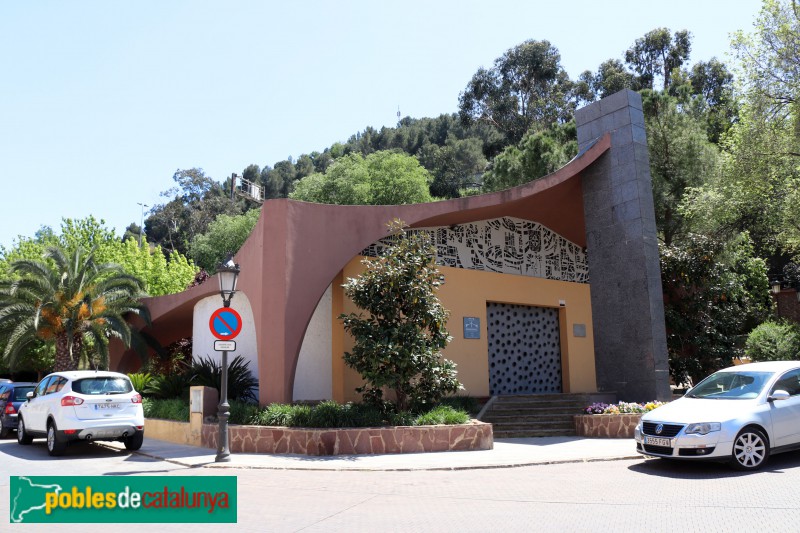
[103,406]
[658,441]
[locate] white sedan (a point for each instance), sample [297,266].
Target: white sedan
[741,414]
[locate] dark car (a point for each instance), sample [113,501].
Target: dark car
[12,395]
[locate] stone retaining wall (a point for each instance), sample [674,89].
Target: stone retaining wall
[350,441]
[606,426]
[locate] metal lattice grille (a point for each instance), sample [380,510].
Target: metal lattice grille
[524,349]
[505,245]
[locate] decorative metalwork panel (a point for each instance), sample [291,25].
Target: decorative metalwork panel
[504,245]
[524,349]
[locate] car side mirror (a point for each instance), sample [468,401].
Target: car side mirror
[29,395]
[778,395]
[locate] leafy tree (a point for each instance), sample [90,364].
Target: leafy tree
[381,178]
[159,275]
[658,54]
[680,157]
[304,166]
[74,302]
[538,154]
[32,248]
[133,232]
[226,234]
[398,345]
[757,190]
[612,77]
[714,294]
[770,130]
[196,201]
[527,88]
[251,173]
[770,59]
[396,178]
[714,82]
[773,341]
[457,166]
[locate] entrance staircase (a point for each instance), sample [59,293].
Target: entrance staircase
[537,415]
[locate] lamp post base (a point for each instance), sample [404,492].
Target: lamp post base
[223,450]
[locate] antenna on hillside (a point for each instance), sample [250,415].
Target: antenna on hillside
[398,116]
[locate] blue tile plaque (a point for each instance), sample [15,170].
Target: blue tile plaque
[472,327]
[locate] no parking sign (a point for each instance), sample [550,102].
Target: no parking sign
[225,323]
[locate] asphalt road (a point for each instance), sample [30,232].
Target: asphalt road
[625,495]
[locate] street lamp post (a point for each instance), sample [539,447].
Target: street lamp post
[228,274]
[141,227]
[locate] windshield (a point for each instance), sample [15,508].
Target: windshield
[102,386]
[740,385]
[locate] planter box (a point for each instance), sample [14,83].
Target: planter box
[606,426]
[348,441]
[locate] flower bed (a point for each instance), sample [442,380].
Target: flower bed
[614,421]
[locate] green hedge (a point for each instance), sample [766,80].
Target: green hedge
[327,414]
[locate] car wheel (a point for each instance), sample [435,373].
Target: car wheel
[22,435]
[134,442]
[750,449]
[4,430]
[55,446]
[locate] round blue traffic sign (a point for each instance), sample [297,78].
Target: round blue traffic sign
[225,323]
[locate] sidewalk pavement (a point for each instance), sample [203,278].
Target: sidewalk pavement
[506,453]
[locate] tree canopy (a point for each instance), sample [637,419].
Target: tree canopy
[381,178]
[72,302]
[527,87]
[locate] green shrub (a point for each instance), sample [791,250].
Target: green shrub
[467,404]
[140,381]
[168,409]
[362,415]
[170,386]
[244,413]
[773,341]
[444,414]
[328,414]
[403,418]
[275,414]
[241,383]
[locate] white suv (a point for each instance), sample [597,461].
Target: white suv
[82,405]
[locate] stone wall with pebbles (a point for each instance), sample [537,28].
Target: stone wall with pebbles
[606,426]
[351,441]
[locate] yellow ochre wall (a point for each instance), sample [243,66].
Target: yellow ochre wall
[465,294]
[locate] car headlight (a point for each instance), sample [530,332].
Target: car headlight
[704,428]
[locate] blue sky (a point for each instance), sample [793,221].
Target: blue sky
[100,102]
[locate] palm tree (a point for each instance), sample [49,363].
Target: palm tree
[69,300]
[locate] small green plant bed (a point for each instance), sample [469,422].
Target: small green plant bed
[326,414]
[172,409]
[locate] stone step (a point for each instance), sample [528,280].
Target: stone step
[502,420]
[538,415]
[538,411]
[542,403]
[520,434]
[560,429]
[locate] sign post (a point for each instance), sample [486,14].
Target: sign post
[225,324]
